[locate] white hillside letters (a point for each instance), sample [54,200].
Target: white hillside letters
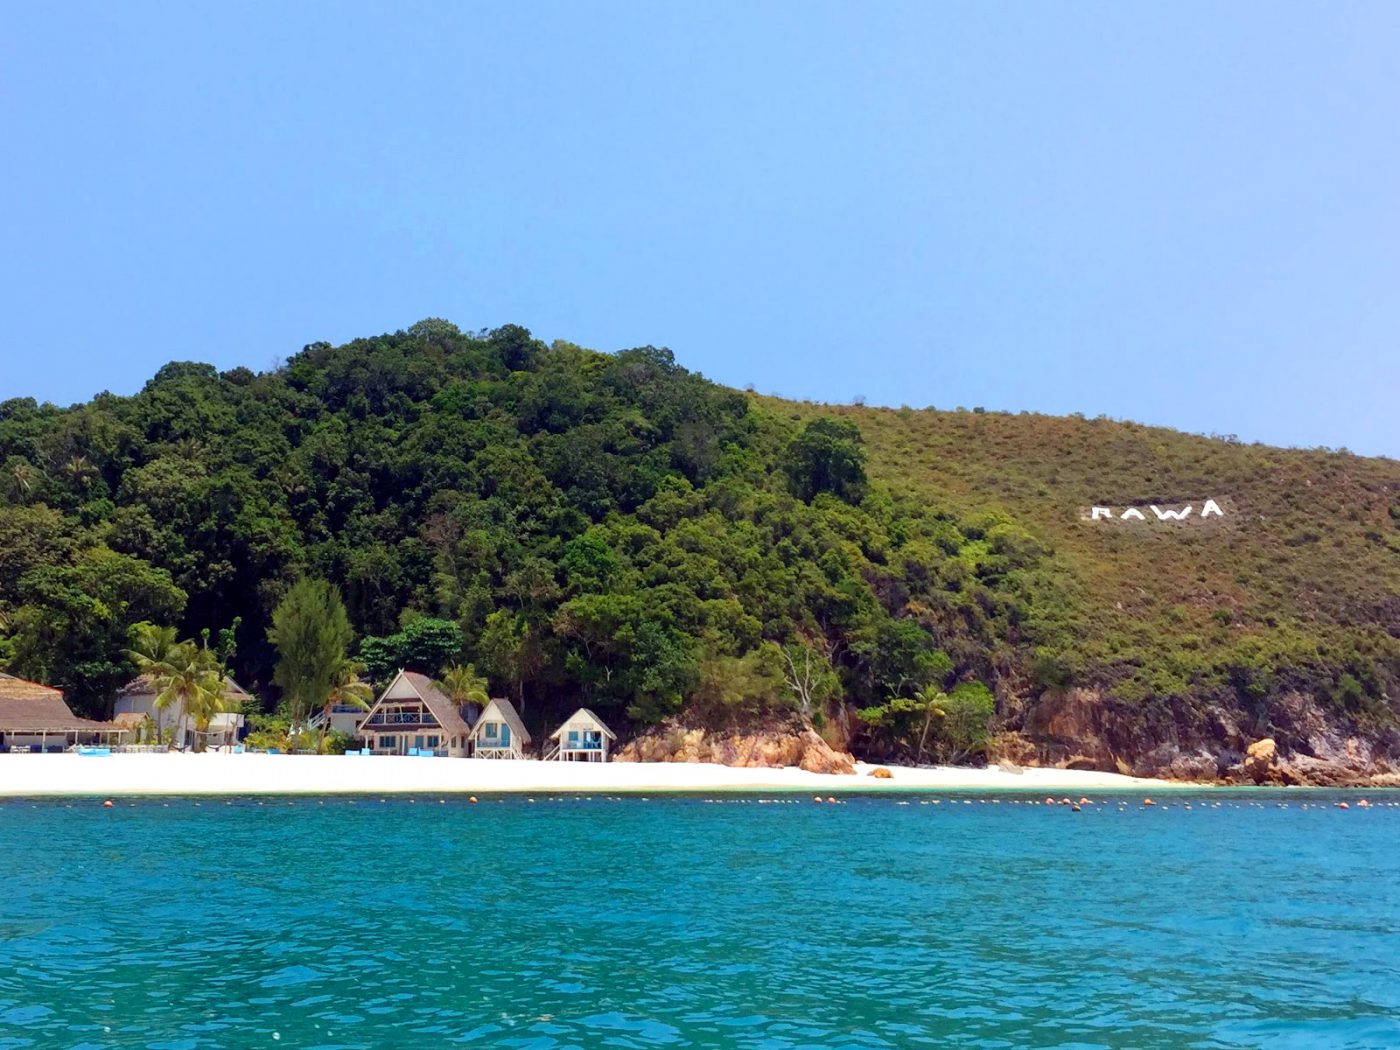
[1153,512]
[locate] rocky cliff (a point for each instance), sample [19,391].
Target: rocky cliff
[1193,740]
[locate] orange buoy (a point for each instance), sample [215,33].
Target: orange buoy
[816,798]
[1363,804]
[1084,801]
[1049,801]
[1343,805]
[1066,802]
[472,800]
[1148,802]
[831,800]
[107,804]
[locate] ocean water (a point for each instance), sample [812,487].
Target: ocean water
[680,922]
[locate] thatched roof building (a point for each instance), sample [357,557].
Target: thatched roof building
[31,713]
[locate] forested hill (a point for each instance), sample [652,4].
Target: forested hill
[610,529]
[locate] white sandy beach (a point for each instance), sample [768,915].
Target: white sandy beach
[260,774]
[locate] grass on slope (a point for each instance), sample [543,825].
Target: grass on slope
[1297,587]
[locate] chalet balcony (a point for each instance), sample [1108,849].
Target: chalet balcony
[407,718]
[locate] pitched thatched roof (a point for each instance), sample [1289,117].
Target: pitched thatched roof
[502,711]
[580,718]
[433,699]
[28,707]
[436,701]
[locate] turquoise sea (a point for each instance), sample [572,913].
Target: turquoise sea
[1217,921]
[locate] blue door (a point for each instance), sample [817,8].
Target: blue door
[505,736]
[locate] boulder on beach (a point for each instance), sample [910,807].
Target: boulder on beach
[1259,760]
[881,773]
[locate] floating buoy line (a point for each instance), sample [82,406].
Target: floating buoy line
[1104,805]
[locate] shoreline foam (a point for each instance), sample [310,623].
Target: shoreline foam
[262,774]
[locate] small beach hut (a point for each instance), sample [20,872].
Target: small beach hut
[33,717]
[137,701]
[414,715]
[582,738]
[499,732]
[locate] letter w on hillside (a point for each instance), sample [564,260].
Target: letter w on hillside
[1199,511]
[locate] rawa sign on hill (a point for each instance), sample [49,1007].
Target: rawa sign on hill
[1152,512]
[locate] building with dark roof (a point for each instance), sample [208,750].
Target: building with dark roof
[33,717]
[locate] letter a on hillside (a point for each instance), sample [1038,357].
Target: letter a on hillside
[1210,508]
[1134,513]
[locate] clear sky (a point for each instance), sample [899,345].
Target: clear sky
[1183,213]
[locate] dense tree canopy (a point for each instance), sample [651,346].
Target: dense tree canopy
[607,529]
[610,529]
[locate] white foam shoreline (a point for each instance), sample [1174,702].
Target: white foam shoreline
[261,774]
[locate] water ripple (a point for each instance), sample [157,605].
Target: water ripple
[678,923]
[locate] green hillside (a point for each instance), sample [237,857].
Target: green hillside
[616,531]
[1297,586]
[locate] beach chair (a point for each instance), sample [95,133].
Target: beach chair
[413,752]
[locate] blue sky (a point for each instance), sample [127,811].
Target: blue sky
[1184,213]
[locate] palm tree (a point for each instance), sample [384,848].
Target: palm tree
[21,478]
[150,645]
[79,470]
[347,690]
[934,703]
[189,679]
[462,685]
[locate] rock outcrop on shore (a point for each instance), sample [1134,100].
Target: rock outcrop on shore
[1084,730]
[1259,760]
[770,748]
[1304,742]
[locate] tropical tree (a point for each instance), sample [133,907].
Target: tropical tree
[827,456]
[311,631]
[346,690]
[73,629]
[462,685]
[79,470]
[957,725]
[21,477]
[908,720]
[511,651]
[188,679]
[810,679]
[151,645]
[969,711]
[424,644]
